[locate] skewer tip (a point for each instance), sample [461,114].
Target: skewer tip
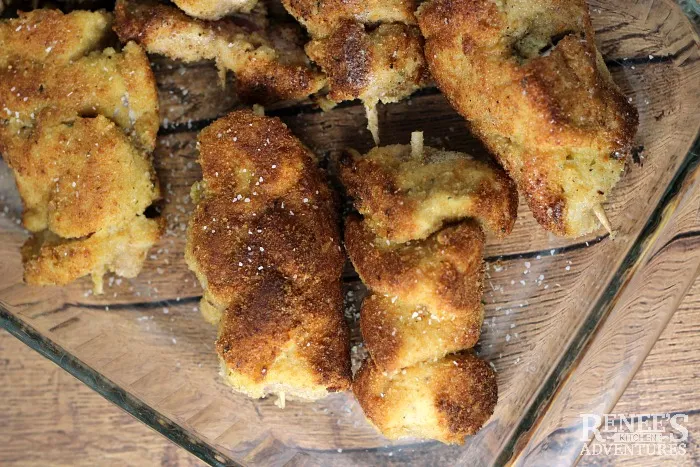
[603,218]
[373,121]
[259,110]
[417,144]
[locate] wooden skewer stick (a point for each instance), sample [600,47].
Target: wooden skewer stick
[603,218]
[259,110]
[417,144]
[281,400]
[372,121]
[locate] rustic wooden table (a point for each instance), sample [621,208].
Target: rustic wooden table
[48,417]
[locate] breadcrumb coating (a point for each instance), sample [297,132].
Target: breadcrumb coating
[426,294]
[406,195]
[322,17]
[77,176]
[446,400]
[51,260]
[77,127]
[529,79]
[419,250]
[214,9]
[370,51]
[264,243]
[382,65]
[269,64]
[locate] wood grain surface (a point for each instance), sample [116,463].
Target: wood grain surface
[47,417]
[667,382]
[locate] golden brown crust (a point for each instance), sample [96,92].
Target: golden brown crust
[77,126]
[425,278]
[269,66]
[385,64]
[78,176]
[214,9]
[248,171]
[119,85]
[370,50]
[40,35]
[426,299]
[407,197]
[528,77]
[254,332]
[445,400]
[264,242]
[321,18]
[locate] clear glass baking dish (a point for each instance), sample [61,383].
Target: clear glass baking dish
[567,321]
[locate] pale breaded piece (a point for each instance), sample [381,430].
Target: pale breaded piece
[407,196]
[73,78]
[52,260]
[40,35]
[322,17]
[530,80]
[214,9]
[269,66]
[77,176]
[426,294]
[77,125]
[264,242]
[444,400]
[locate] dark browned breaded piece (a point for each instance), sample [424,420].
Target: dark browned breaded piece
[445,400]
[77,127]
[406,196]
[385,64]
[370,51]
[269,65]
[286,338]
[251,170]
[322,17]
[264,242]
[426,294]
[530,80]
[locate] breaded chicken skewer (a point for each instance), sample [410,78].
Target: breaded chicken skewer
[77,127]
[529,79]
[264,242]
[370,51]
[269,65]
[419,250]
